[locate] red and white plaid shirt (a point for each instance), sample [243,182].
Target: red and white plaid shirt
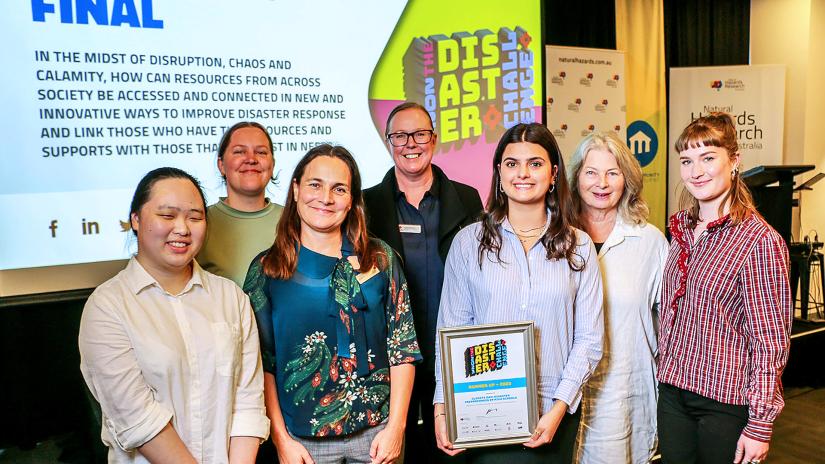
[726,316]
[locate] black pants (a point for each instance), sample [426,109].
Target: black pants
[695,429]
[558,451]
[419,440]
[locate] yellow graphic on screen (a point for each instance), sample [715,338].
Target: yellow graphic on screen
[476,68]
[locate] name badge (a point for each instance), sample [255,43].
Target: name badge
[409,228]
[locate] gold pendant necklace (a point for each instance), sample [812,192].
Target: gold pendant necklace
[525,238]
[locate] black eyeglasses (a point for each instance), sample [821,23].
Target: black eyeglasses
[399,139]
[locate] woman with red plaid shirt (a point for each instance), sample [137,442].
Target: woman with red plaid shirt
[726,310]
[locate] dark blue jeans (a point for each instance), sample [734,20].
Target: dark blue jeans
[696,429]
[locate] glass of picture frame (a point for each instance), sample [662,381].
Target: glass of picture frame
[489,379]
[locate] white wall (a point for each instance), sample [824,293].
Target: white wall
[792,32]
[813,208]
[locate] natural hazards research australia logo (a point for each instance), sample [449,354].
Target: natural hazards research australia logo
[472,85]
[642,141]
[730,84]
[485,357]
[561,131]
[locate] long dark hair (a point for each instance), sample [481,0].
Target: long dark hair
[281,260]
[560,238]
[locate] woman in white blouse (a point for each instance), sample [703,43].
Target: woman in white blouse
[619,405]
[169,350]
[526,261]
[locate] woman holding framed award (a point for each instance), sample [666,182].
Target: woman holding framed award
[525,262]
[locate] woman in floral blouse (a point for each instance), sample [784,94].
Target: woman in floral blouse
[335,323]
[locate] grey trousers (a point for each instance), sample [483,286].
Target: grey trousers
[350,449]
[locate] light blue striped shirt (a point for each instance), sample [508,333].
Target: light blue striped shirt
[565,305]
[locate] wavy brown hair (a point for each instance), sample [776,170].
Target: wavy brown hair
[281,260]
[560,238]
[716,130]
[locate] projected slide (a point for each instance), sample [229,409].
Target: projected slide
[96,93]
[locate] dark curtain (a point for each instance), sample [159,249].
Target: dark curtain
[697,32]
[42,393]
[582,23]
[706,32]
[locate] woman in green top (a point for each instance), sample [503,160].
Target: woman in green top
[333,313]
[242,223]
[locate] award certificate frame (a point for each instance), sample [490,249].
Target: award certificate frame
[489,379]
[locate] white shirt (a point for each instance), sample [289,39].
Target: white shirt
[150,357]
[565,305]
[619,405]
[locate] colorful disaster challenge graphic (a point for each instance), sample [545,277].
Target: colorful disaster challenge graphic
[486,357]
[475,84]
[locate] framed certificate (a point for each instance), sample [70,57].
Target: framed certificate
[489,378]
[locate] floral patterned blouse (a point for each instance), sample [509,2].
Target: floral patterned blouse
[330,340]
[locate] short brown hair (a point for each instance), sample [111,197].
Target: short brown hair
[406,106]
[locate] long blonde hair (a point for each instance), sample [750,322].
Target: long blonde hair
[716,130]
[632,207]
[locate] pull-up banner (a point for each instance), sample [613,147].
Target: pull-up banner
[640,33]
[585,93]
